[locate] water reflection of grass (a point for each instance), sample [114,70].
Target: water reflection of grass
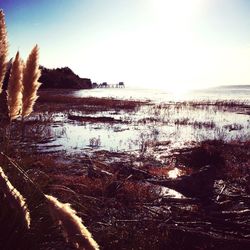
[134,125]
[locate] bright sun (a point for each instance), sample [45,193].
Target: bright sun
[164,53]
[177,56]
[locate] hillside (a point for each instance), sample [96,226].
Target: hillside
[60,78]
[63,78]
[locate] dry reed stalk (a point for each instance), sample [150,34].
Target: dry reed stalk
[14,91]
[3,49]
[31,75]
[73,229]
[14,198]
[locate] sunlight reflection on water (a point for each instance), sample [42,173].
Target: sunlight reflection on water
[158,95]
[164,191]
[174,173]
[164,126]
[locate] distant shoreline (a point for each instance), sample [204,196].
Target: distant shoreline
[240,86]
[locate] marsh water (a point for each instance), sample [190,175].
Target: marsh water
[236,93]
[166,122]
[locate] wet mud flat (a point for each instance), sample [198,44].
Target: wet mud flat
[199,200]
[150,193]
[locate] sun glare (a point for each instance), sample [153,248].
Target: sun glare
[178,59]
[178,92]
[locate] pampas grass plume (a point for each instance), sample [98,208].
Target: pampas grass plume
[3,48]
[14,198]
[31,75]
[14,91]
[73,229]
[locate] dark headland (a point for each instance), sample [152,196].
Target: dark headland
[63,78]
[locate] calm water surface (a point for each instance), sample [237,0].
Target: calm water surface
[158,95]
[153,125]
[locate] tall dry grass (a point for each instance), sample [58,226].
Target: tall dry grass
[21,96]
[14,199]
[31,75]
[73,229]
[14,90]
[3,48]
[23,85]
[62,214]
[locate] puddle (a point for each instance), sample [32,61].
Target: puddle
[173,174]
[168,192]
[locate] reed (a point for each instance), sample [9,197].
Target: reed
[15,200]
[3,49]
[14,90]
[31,75]
[21,97]
[73,229]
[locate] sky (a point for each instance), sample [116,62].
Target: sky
[168,44]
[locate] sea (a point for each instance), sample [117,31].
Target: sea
[239,93]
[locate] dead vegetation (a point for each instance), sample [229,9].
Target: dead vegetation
[122,204]
[65,102]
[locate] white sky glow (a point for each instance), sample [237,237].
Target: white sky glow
[168,44]
[168,52]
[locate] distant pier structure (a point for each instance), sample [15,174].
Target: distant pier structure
[106,85]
